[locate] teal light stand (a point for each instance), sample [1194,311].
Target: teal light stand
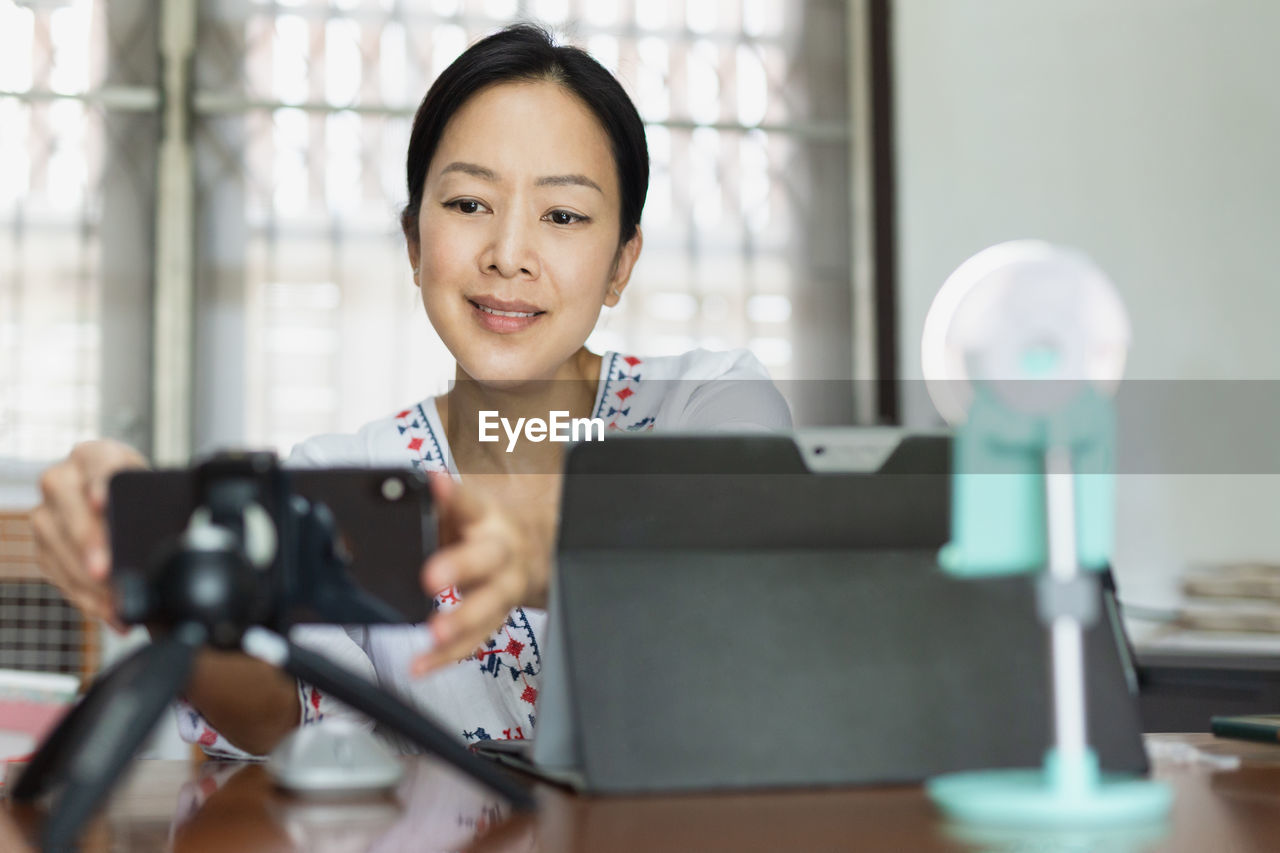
[1032,488]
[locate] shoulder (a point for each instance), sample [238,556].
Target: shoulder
[386,441]
[699,365]
[696,390]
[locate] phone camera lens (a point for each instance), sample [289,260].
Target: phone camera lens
[392,489]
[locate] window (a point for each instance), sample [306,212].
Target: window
[305,319]
[325,93]
[51,156]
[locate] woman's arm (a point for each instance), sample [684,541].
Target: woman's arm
[497,544]
[251,703]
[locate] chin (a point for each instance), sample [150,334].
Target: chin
[505,371]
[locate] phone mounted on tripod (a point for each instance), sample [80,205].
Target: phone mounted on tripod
[253,557]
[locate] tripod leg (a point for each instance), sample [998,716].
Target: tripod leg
[117,730]
[43,770]
[385,708]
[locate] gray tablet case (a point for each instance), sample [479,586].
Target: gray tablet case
[724,617]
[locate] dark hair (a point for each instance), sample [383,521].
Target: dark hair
[523,52]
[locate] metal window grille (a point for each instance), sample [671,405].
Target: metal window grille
[51,147]
[305,320]
[39,630]
[70,225]
[304,316]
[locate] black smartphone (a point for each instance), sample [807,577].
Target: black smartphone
[386,524]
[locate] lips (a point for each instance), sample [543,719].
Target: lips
[504,316]
[504,307]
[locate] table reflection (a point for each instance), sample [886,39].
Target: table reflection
[433,808]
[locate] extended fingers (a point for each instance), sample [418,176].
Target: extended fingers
[487,570]
[469,562]
[62,564]
[98,461]
[456,504]
[72,521]
[69,524]
[487,556]
[460,632]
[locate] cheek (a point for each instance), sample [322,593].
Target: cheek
[441,250]
[588,270]
[438,277]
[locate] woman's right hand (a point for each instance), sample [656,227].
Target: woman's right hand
[70,529]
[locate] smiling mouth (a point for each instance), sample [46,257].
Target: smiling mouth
[498,313]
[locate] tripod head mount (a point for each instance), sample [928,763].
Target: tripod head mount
[220,572]
[253,553]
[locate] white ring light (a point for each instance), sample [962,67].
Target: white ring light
[1032,319]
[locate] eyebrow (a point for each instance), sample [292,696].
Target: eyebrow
[485,174]
[568,181]
[470,169]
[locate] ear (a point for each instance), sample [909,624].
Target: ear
[409,225]
[628,254]
[415,255]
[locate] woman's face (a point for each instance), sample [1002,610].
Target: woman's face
[518,232]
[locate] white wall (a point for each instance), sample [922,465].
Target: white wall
[1147,133]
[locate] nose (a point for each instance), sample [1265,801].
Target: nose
[511,252]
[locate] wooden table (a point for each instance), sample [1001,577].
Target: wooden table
[233,807]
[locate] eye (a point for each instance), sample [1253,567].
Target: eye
[565,217]
[468,206]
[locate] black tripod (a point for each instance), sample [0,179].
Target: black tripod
[207,590]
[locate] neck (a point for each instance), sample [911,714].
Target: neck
[572,391]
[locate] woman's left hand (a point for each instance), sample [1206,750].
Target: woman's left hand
[495,561]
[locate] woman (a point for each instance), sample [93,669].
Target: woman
[527,171]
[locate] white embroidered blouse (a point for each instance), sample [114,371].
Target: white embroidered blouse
[494,695]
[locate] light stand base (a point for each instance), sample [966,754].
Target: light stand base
[1124,838]
[1059,795]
